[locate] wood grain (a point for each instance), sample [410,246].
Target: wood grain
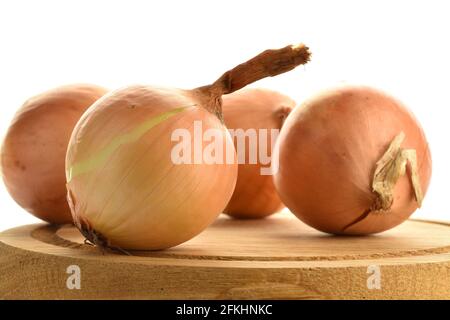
[275,258]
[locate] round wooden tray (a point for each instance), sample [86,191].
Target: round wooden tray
[275,258]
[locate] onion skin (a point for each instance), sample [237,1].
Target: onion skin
[328,151]
[255,195]
[142,199]
[34,149]
[125,191]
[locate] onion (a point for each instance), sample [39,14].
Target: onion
[34,149]
[352,160]
[126,188]
[256,116]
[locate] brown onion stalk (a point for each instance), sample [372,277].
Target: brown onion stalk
[123,186]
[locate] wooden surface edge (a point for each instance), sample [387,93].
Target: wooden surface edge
[31,274]
[19,236]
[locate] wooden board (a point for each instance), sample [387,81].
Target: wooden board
[275,258]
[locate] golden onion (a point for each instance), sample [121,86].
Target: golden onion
[352,160]
[34,149]
[255,116]
[125,188]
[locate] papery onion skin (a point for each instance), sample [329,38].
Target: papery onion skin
[138,198]
[124,190]
[34,149]
[328,151]
[255,195]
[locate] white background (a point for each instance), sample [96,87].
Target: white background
[399,46]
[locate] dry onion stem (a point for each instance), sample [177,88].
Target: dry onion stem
[389,169]
[269,63]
